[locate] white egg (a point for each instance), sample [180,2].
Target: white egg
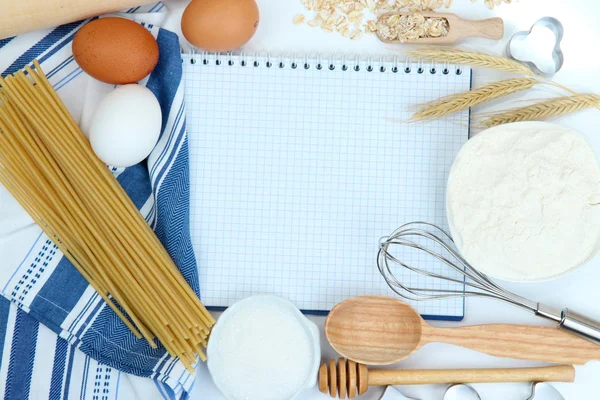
[126,126]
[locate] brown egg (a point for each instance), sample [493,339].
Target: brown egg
[115,50]
[219,25]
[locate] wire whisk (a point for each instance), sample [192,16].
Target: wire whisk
[462,279]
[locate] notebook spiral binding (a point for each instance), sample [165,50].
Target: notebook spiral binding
[346,62]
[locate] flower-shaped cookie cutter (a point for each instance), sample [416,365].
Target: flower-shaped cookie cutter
[544,391]
[557,55]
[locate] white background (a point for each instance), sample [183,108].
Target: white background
[581,72]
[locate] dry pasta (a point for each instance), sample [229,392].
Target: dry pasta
[48,165]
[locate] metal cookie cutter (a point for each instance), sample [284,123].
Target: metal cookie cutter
[392,394]
[557,55]
[461,392]
[544,391]
[453,392]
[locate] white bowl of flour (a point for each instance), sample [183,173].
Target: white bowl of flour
[523,201]
[263,348]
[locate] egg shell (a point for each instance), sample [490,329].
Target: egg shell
[115,50]
[126,126]
[220,25]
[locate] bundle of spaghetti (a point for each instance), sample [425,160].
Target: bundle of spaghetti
[48,165]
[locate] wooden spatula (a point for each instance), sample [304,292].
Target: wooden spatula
[459,29]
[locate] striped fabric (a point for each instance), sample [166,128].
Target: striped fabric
[57,337]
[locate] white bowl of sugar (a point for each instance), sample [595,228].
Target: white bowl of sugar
[263,348]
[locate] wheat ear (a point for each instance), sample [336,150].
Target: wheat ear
[544,110]
[460,56]
[462,101]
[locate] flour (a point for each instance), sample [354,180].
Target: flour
[260,351]
[523,201]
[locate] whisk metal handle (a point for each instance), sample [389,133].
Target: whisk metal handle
[580,325]
[572,322]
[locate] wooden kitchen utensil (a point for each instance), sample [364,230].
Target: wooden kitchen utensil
[381,330]
[459,29]
[349,378]
[25,16]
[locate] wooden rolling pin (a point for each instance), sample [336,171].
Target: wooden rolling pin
[20,16]
[349,378]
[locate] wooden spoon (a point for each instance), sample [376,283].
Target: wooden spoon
[376,330]
[459,29]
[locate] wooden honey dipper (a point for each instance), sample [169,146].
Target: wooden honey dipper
[349,378]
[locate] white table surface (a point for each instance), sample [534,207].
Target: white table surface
[581,72]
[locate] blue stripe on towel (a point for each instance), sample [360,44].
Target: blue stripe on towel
[69,369]
[171,136]
[155,7]
[54,313]
[40,47]
[160,390]
[164,390]
[176,186]
[59,67]
[109,339]
[170,165]
[136,182]
[186,395]
[90,317]
[22,356]
[58,368]
[6,41]
[63,43]
[86,372]
[4,310]
[87,306]
[165,68]
[65,81]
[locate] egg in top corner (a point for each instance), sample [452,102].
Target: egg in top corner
[220,25]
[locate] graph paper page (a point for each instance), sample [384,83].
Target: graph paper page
[296,174]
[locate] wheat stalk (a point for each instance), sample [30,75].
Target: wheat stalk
[556,107]
[462,101]
[448,105]
[460,56]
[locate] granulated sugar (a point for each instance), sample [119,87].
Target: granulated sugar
[260,351]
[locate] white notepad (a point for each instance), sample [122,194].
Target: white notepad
[299,166]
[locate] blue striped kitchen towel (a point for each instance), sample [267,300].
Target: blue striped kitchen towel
[58,339]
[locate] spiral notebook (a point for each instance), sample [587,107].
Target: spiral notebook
[299,165]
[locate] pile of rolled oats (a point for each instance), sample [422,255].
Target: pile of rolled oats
[347,17]
[492,3]
[354,18]
[403,27]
